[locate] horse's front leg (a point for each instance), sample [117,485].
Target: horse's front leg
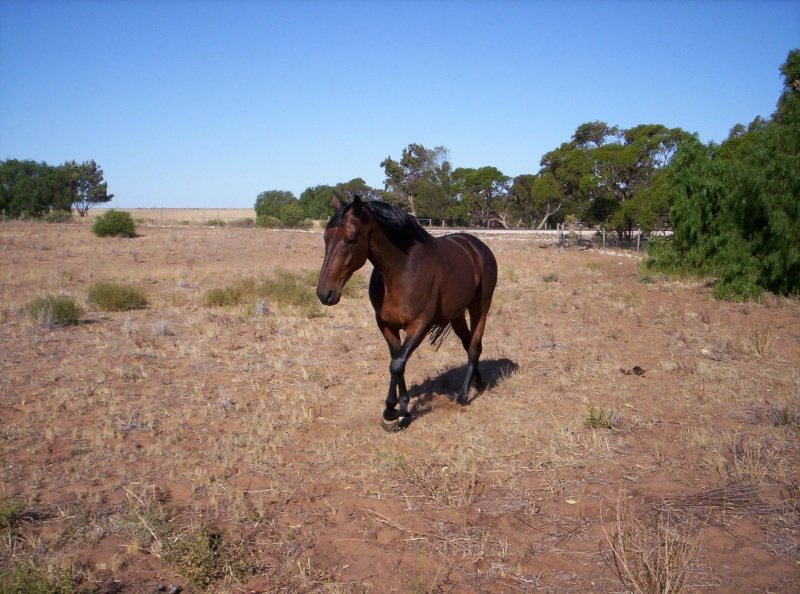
[390,413]
[400,353]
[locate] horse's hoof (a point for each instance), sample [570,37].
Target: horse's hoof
[390,421]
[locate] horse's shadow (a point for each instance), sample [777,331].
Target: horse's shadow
[493,372]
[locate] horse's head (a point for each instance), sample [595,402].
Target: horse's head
[346,248]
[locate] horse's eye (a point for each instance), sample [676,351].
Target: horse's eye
[351,241]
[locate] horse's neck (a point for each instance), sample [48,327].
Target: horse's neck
[386,257]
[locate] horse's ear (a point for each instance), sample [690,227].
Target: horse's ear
[336,202]
[358,205]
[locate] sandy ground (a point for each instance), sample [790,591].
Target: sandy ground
[239,448]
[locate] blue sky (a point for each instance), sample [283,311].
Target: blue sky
[208,103]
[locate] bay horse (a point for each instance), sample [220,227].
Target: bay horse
[420,284]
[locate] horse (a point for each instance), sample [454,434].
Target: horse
[421,285]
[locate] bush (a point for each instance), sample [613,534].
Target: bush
[115,223]
[58,216]
[54,311]
[223,296]
[10,514]
[114,297]
[285,289]
[735,211]
[30,579]
[207,556]
[269,222]
[248,222]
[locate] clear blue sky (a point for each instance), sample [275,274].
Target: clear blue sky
[208,103]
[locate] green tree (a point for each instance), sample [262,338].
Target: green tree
[358,187]
[736,206]
[566,179]
[316,202]
[270,203]
[88,185]
[420,178]
[483,191]
[607,176]
[32,189]
[627,167]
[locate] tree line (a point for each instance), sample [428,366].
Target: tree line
[30,190]
[603,176]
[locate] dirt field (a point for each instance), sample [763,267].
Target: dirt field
[239,449]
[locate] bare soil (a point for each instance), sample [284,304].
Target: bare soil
[238,450]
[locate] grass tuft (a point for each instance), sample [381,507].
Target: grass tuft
[207,556]
[651,557]
[551,277]
[32,579]
[598,417]
[54,311]
[284,290]
[116,297]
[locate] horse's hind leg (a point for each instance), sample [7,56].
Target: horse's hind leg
[478,312]
[463,332]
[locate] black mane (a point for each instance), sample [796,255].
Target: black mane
[400,227]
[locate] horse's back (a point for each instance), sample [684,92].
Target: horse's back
[481,254]
[478,255]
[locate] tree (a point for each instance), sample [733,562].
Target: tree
[88,185]
[420,175]
[605,176]
[483,191]
[358,187]
[547,197]
[32,189]
[566,178]
[736,206]
[270,203]
[316,202]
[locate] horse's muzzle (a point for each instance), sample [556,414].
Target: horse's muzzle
[329,297]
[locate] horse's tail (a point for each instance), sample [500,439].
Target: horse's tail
[438,333]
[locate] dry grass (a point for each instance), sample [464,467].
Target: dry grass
[652,556]
[239,448]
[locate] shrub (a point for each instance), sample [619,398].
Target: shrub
[232,294]
[114,223]
[269,222]
[600,418]
[53,311]
[285,289]
[248,222]
[10,514]
[115,297]
[58,216]
[551,277]
[30,579]
[207,556]
[289,289]
[215,223]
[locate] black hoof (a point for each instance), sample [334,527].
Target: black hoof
[390,421]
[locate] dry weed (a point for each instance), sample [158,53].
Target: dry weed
[652,557]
